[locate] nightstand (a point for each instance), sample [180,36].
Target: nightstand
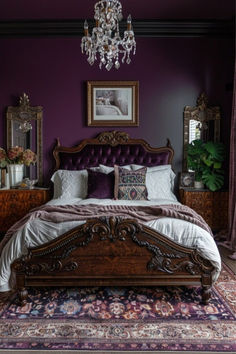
[212,206]
[15,203]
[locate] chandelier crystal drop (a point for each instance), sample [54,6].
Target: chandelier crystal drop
[25,126]
[105,41]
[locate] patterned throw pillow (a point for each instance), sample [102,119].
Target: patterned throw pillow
[130,185]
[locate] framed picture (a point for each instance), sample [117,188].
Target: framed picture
[113,103]
[187,179]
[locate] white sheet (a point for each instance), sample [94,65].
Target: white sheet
[180,231]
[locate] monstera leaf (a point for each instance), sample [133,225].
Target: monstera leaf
[206,160]
[194,158]
[213,180]
[196,148]
[216,151]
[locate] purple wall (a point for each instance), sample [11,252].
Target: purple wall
[171,72]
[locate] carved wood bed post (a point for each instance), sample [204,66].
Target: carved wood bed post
[22,292]
[23,296]
[206,288]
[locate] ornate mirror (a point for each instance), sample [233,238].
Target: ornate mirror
[200,122]
[24,128]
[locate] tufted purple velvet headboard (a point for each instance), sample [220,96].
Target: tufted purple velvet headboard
[111,148]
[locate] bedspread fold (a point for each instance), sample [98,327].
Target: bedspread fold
[62,213]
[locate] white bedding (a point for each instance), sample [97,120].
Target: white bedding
[179,231]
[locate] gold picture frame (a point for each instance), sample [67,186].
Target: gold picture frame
[113,103]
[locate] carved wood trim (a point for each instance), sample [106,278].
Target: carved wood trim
[112,138]
[212,206]
[25,112]
[196,113]
[60,255]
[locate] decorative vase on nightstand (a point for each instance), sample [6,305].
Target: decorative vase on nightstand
[198,184]
[16,172]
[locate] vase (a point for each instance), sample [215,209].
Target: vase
[16,173]
[198,184]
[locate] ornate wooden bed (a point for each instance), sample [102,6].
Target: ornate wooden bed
[112,251]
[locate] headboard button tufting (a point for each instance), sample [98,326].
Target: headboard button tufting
[94,152]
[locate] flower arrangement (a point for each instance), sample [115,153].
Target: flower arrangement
[29,157]
[3,156]
[17,155]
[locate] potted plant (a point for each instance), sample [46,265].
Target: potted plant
[206,159]
[195,163]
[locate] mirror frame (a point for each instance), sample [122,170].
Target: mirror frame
[30,113]
[195,113]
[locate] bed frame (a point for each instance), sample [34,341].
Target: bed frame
[111,251]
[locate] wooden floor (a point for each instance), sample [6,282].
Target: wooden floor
[224,252]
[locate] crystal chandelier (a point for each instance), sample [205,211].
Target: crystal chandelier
[105,40]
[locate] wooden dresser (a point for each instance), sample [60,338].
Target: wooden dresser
[15,203]
[212,206]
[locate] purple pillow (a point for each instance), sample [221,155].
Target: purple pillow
[100,185]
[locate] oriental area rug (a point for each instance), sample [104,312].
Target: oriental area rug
[123,319]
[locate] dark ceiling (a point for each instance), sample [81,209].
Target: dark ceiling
[148,9]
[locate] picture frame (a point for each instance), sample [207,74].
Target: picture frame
[113,103]
[187,179]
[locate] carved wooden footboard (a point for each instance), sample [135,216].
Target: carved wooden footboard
[112,252]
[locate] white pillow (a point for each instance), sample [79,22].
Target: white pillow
[56,185]
[159,182]
[71,184]
[160,185]
[153,168]
[108,169]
